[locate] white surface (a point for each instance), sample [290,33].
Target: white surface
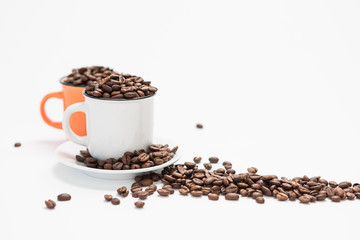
[113,126]
[66,151]
[275,83]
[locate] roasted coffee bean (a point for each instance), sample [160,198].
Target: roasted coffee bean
[335,198]
[196,193]
[146,182]
[163,192]
[350,196]
[63,197]
[207,166]
[143,195]
[213,197]
[199,125]
[256,195]
[282,196]
[232,196]
[80,158]
[252,170]
[108,197]
[214,159]
[333,184]
[183,192]
[197,159]
[260,200]
[122,190]
[115,201]
[190,165]
[17,144]
[139,204]
[50,204]
[321,197]
[304,199]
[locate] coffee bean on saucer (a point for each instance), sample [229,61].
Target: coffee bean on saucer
[199,125]
[139,204]
[214,159]
[17,144]
[50,204]
[115,201]
[63,197]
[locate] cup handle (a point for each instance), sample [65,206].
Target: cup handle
[77,107]
[44,116]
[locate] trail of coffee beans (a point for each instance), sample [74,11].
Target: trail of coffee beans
[156,154]
[188,179]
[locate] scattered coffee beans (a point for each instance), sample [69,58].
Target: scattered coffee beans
[213,159]
[115,201]
[197,159]
[17,144]
[117,86]
[155,155]
[63,197]
[86,75]
[139,204]
[50,204]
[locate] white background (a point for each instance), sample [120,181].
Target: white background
[275,83]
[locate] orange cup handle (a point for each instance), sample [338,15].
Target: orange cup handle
[44,116]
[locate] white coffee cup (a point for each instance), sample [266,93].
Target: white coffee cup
[113,126]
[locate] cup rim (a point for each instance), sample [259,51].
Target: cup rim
[117,99]
[69,84]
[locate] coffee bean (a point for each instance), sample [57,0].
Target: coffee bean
[231,196]
[252,170]
[260,200]
[139,204]
[213,159]
[196,193]
[213,197]
[333,184]
[335,198]
[199,125]
[304,199]
[108,197]
[183,192]
[115,201]
[146,182]
[63,197]
[282,196]
[208,166]
[143,195]
[197,159]
[163,192]
[17,144]
[50,204]
[190,165]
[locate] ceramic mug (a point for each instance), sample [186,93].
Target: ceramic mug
[70,94]
[114,126]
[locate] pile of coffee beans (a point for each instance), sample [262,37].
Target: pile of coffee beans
[51,204]
[188,179]
[156,154]
[119,86]
[86,75]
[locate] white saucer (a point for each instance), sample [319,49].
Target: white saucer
[65,153]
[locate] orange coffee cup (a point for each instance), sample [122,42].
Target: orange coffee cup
[70,94]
